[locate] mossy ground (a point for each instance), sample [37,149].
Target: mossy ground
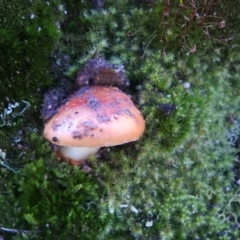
[179,180]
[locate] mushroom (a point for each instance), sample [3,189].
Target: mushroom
[92,118]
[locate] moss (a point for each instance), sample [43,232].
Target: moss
[182,184]
[54,199]
[28,34]
[178,180]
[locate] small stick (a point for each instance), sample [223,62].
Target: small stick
[19,231]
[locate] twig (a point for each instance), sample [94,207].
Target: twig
[19,230]
[152,37]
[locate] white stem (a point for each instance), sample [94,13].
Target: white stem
[78,153]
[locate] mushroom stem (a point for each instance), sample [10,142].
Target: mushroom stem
[77,154]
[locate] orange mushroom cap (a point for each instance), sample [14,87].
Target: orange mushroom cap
[96,116]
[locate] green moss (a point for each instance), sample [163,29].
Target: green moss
[177,181]
[28,34]
[53,198]
[182,184]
